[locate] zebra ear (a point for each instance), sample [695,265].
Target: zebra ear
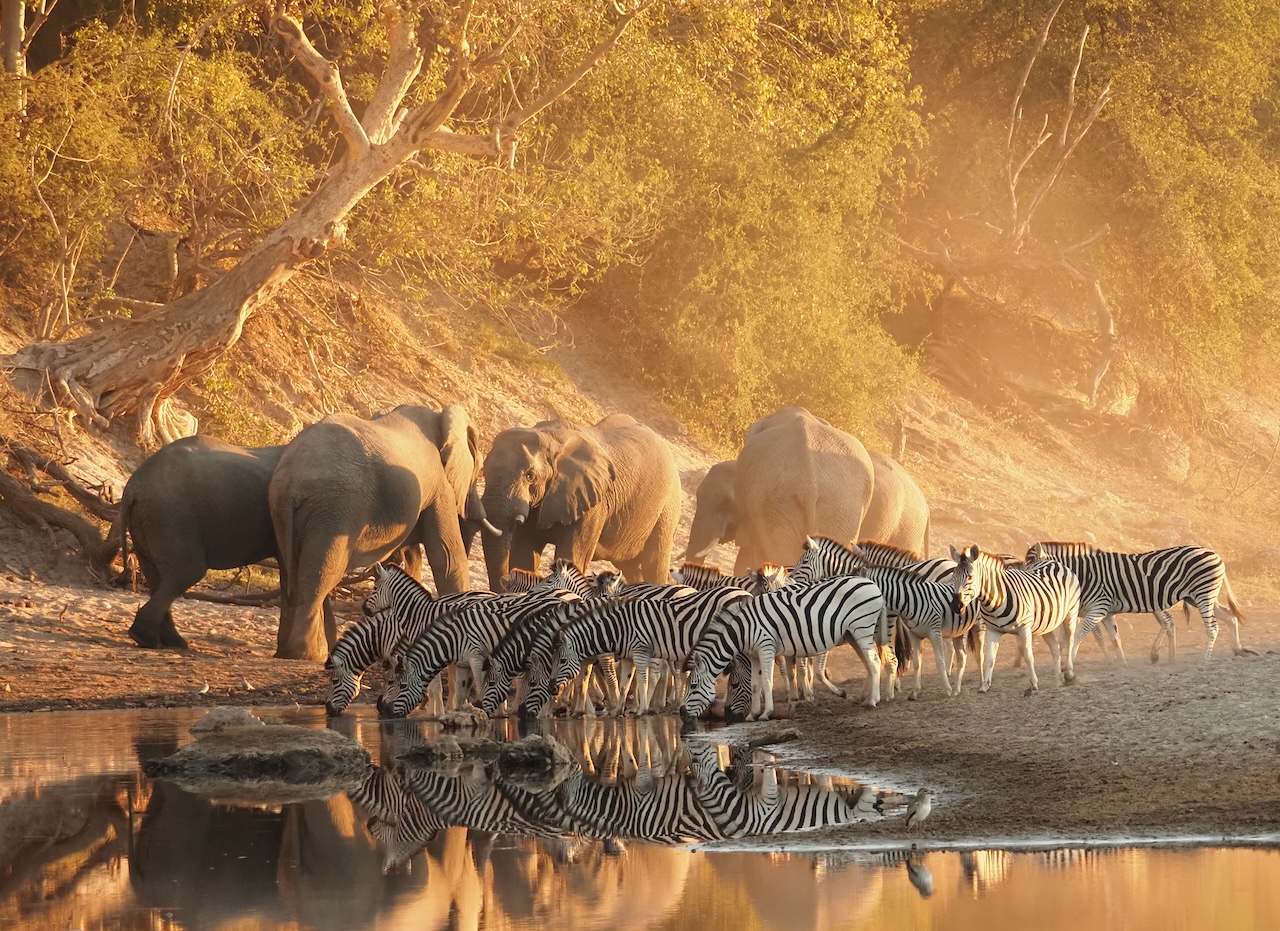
[677,577]
[810,543]
[972,551]
[955,554]
[380,571]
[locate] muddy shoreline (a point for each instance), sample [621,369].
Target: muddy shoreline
[1141,752]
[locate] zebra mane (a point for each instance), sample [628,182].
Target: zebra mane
[874,548]
[520,580]
[820,541]
[1061,548]
[400,570]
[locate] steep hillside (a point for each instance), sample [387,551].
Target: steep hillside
[1007,450]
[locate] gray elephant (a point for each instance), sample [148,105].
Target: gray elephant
[609,491]
[349,492]
[899,511]
[195,504]
[799,476]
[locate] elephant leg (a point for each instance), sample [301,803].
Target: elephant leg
[302,634]
[153,625]
[439,533]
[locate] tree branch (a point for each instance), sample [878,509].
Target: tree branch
[404,63]
[41,18]
[326,74]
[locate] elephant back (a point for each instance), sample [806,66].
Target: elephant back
[899,511]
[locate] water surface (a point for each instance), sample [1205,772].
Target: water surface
[627,841]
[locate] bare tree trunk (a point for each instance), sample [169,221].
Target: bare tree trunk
[135,365]
[12,34]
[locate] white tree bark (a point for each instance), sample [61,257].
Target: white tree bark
[134,366]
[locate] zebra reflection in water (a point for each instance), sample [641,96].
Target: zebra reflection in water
[631,780]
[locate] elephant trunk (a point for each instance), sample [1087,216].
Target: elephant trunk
[497,556]
[705,532]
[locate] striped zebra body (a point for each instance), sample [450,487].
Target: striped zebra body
[544,650]
[380,635]
[703,578]
[480,801]
[798,620]
[926,611]
[937,569]
[1042,600]
[1150,582]
[466,639]
[640,629]
[510,656]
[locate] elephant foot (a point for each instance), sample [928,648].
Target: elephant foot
[173,640]
[143,638]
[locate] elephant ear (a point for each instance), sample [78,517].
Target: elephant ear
[460,456]
[582,473]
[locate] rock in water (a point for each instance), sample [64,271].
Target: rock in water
[263,763]
[538,763]
[220,718]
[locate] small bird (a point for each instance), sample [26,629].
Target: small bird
[204,689]
[919,808]
[247,686]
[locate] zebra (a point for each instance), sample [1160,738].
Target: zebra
[1154,581]
[470,635]
[519,582]
[510,657]
[383,633]
[875,553]
[1043,599]
[659,809]
[641,629]
[798,620]
[924,610]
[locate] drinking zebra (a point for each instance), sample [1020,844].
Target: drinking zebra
[798,620]
[1043,600]
[470,636]
[1151,582]
[382,634]
[639,629]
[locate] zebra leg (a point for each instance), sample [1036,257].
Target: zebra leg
[820,662]
[1210,618]
[935,639]
[766,683]
[1051,641]
[991,646]
[1167,629]
[889,664]
[647,682]
[917,646]
[1113,632]
[807,669]
[961,661]
[791,676]
[869,653]
[1024,638]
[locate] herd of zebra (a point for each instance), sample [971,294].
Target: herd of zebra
[581,639]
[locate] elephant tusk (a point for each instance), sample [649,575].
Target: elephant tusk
[519,519]
[490,529]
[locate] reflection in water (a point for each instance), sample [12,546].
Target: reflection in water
[88,843]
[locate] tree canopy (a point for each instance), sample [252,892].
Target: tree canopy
[735,188]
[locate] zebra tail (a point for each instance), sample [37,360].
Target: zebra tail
[973,640]
[903,646]
[1231,600]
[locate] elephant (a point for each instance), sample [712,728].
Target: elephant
[609,491]
[899,511]
[348,492]
[195,504]
[799,476]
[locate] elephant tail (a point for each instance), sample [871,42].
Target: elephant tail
[119,531]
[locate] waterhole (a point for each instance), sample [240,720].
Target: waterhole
[645,829]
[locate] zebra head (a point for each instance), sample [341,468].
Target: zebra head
[343,686]
[738,702]
[768,578]
[824,557]
[607,584]
[396,700]
[967,577]
[701,692]
[519,581]
[542,664]
[386,580]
